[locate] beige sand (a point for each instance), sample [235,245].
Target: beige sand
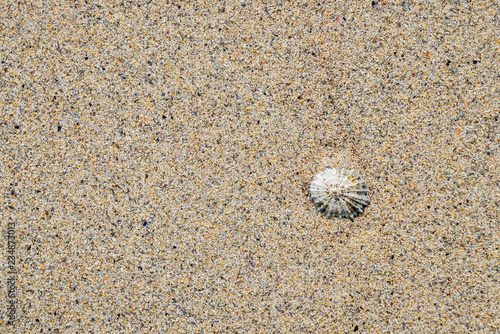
[155,159]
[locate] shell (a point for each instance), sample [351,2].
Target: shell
[340,192]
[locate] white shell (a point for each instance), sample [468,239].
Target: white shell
[340,192]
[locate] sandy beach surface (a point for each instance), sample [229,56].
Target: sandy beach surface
[156,157]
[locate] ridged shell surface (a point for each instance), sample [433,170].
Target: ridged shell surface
[340,192]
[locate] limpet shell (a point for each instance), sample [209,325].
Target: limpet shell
[340,192]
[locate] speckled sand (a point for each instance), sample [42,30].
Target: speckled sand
[156,159]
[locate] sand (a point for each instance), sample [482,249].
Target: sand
[155,161]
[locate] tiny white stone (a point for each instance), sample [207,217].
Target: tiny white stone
[340,192]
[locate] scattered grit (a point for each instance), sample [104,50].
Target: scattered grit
[156,159]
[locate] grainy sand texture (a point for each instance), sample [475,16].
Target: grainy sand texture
[156,158]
